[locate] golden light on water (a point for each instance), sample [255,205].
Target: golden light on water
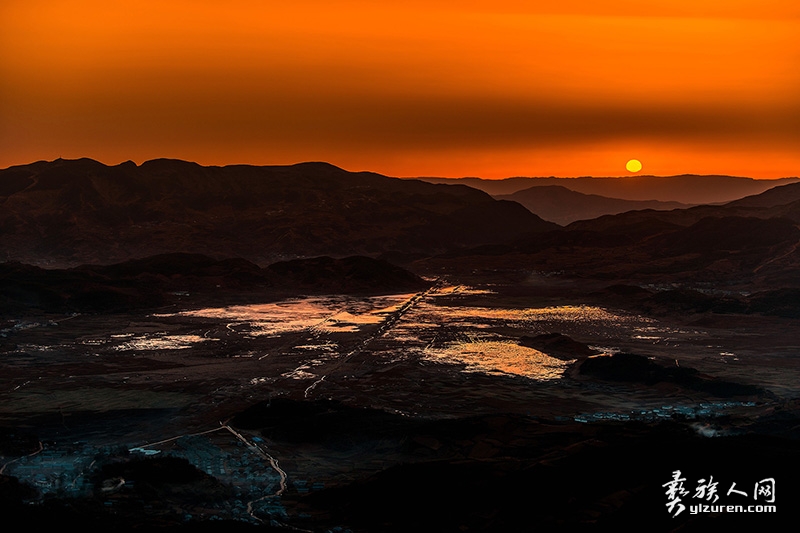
[321,314]
[502,358]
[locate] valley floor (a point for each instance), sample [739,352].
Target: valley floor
[302,412]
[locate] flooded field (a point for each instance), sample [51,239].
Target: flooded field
[176,377]
[314,314]
[435,327]
[457,329]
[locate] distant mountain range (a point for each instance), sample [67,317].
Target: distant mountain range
[563,206]
[752,243]
[71,212]
[68,213]
[779,202]
[687,188]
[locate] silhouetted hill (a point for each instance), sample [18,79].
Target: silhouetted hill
[780,202]
[158,280]
[562,206]
[686,188]
[346,275]
[543,475]
[637,368]
[66,213]
[776,196]
[558,345]
[752,244]
[784,302]
[741,234]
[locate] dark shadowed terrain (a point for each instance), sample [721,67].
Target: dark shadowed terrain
[67,213]
[307,349]
[561,205]
[746,246]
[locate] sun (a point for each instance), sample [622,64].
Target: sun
[634,165]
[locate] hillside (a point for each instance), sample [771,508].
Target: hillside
[65,213]
[752,243]
[561,205]
[184,278]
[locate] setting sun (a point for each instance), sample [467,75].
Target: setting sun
[634,165]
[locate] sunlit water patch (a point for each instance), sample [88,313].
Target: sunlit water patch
[162,342]
[428,319]
[483,338]
[462,290]
[483,316]
[323,346]
[347,321]
[501,358]
[323,314]
[301,372]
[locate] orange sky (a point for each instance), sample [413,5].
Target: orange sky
[448,88]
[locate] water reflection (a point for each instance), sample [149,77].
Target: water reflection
[484,339]
[462,290]
[570,313]
[501,358]
[166,342]
[436,327]
[320,314]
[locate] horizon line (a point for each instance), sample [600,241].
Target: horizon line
[422,177]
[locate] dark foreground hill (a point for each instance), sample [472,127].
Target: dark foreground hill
[66,213]
[159,280]
[541,474]
[485,473]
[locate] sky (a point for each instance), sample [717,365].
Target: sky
[415,88]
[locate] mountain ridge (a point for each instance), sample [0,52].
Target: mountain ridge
[735,246]
[563,206]
[68,212]
[684,188]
